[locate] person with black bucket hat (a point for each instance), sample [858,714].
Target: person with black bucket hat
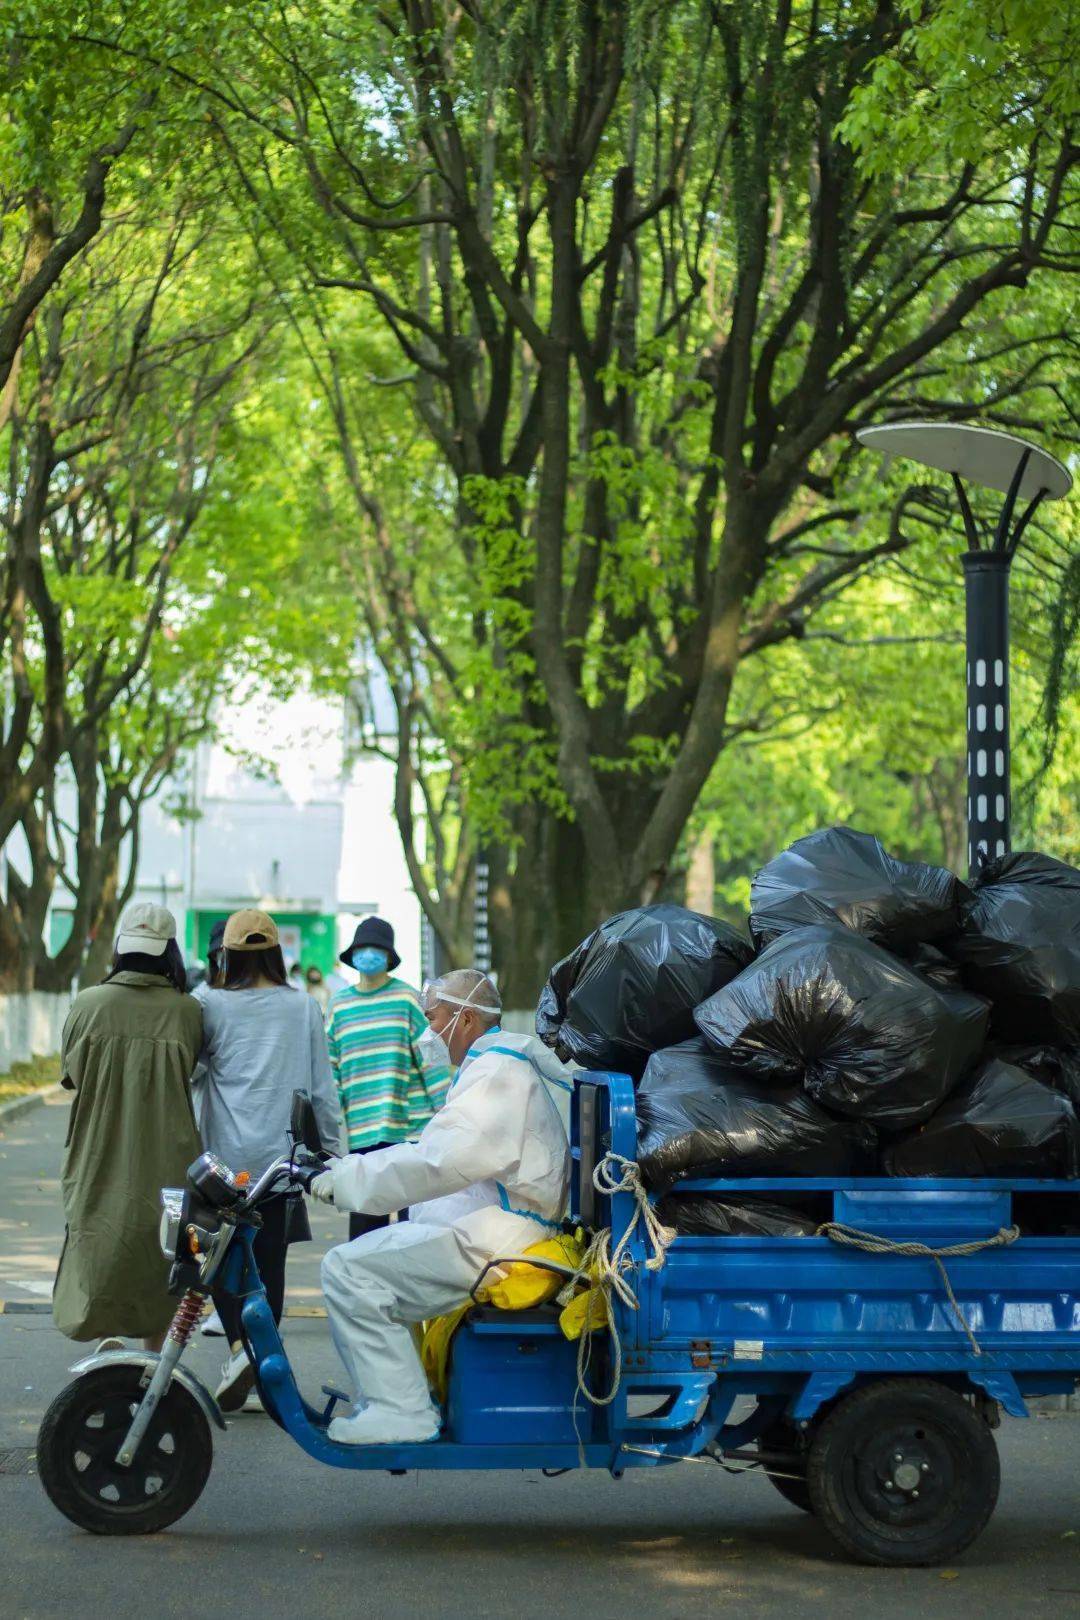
[373,1030]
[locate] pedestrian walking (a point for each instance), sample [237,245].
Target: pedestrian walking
[128,1050]
[317,987]
[388,1093]
[213,1327]
[213,953]
[262,1041]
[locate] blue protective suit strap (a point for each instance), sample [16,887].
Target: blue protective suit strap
[529,1214]
[523,1057]
[474,1052]
[550,1080]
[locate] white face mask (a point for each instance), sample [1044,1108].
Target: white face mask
[433,1049]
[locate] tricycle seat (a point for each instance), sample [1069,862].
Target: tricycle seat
[537,1319]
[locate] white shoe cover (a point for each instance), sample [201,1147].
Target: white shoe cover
[381,1426]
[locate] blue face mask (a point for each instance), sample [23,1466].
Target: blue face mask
[370,961]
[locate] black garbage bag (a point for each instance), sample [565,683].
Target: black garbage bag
[868,1036]
[632,986]
[698,1116]
[934,965]
[1056,1066]
[1020,946]
[840,875]
[698,1215]
[1001,1122]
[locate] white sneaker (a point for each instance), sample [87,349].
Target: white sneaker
[253,1403]
[212,1328]
[112,1343]
[381,1426]
[237,1381]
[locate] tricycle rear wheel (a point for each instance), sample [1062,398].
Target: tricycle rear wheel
[903,1472]
[782,1437]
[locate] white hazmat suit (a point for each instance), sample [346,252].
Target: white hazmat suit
[488,1176]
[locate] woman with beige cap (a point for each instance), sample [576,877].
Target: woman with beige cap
[128,1051]
[262,1040]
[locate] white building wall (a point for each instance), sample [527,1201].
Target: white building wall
[311,840]
[373,865]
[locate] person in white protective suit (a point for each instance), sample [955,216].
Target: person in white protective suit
[488,1177]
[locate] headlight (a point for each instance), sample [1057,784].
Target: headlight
[172,1205]
[215,1183]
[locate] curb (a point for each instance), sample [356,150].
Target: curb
[1054,1405]
[23,1105]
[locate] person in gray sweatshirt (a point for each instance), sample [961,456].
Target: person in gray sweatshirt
[262,1040]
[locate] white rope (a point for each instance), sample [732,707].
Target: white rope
[607,1268]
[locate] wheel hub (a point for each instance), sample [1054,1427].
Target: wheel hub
[904,1476]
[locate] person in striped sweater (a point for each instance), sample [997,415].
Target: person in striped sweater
[372,1030]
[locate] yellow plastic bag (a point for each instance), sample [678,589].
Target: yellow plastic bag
[519,1288]
[522,1286]
[588,1309]
[435,1348]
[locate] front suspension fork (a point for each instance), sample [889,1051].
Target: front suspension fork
[181,1328]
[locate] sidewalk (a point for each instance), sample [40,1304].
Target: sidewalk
[32,1219]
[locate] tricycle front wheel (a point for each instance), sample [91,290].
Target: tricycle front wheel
[76,1454]
[903,1471]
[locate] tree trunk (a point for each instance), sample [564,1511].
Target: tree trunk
[542,904]
[701,874]
[16,962]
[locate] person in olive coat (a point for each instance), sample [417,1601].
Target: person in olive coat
[129,1047]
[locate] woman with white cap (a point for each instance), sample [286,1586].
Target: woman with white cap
[128,1051]
[262,1040]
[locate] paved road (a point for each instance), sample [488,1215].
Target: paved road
[282,1536]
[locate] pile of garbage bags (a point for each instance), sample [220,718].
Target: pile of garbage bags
[888,1018]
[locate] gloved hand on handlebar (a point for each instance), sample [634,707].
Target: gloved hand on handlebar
[318,1184]
[315,1179]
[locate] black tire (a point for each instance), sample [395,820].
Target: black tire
[77,1445]
[782,1436]
[903,1472]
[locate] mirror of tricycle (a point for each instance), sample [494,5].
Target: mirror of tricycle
[303,1125]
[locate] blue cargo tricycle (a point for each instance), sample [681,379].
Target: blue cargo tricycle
[864,1376]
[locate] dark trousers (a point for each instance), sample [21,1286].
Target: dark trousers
[270,1249]
[359,1224]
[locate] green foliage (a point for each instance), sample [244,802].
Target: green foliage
[679,252]
[964,82]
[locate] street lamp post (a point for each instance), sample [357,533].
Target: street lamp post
[1023,473]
